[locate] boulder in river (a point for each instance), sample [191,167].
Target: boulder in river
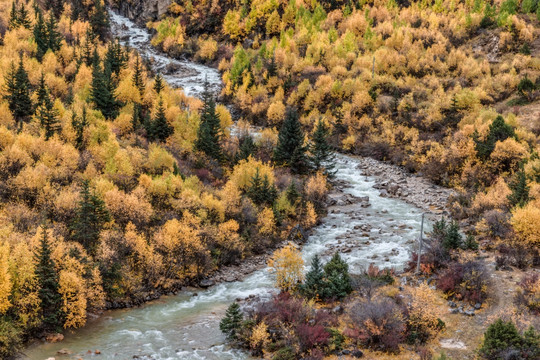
[206,283]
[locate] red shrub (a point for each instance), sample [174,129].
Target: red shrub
[312,336]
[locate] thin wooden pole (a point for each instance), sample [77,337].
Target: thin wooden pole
[421,241]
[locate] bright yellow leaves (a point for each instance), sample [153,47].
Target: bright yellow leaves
[5,279]
[526,224]
[207,49]
[74,300]
[288,267]
[245,170]
[259,337]
[266,222]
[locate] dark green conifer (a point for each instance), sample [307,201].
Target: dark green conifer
[18,93]
[161,129]
[499,130]
[232,322]
[13,17]
[314,285]
[138,76]
[40,36]
[520,190]
[99,20]
[246,149]
[292,192]
[338,281]
[158,83]
[41,91]
[290,150]
[53,36]
[322,155]
[499,337]
[90,218]
[23,18]
[115,57]
[209,133]
[103,89]
[452,238]
[80,126]
[47,278]
[260,191]
[48,116]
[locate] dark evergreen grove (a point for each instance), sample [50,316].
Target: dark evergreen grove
[48,116]
[290,150]
[331,281]
[209,133]
[159,129]
[89,220]
[260,191]
[47,277]
[499,130]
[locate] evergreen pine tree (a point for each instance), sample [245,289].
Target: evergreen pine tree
[23,19]
[209,133]
[339,127]
[115,57]
[48,116]
[41,91]
[260,191]
[313,286]
[89,220]
[338,281]
[103,89]
[499,130]
[53,36]
[322,155]
[138,76]
[246,149]
[292,192]
[18,93]
[158,83]
[99,20]
[499,337]
[161,129]
[136,116]
[13,17]
[520,190]
[232,321]
[79,126]
[290,150]
[40,36]
[452,238]
[47,278]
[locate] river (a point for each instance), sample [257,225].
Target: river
[185,326]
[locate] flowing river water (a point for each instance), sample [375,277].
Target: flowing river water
[186,325]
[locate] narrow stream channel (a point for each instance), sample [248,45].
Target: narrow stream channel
[185,326]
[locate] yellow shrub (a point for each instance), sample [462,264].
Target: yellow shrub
[526,224]
[207,49]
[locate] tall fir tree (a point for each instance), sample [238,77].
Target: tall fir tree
[313,286]
[290,150]
[53,36]
[23,18]
[90,218]
[103,89]
[260,191]
[322,157]
[138,76]
[13,21]
[99,20]
[232,322]
[158,83]
[115,57]
[520,190]
[160,128]
[499,130]
[80,126]
[18,93]
[48,116]
[338,281]
[209,133]
[41,91]
[47,278]
[246,149]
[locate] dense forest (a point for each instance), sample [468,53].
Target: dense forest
[116,188]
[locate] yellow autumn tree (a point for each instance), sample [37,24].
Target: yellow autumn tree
[74,300]
[259,337]
[288,267]
[5,279]
[526,224]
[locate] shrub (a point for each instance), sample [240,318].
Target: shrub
[503,341]
[379,323]
[528,293]
[311,336]
[468,281]
[10,337]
